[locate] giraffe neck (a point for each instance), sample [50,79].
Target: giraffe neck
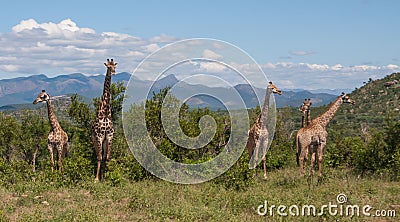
[52,118]
[264,111]
[328,115]
[105,108]
[303,119]
[308,117]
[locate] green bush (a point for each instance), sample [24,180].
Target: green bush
[239,177]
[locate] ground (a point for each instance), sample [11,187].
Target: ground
[157,200]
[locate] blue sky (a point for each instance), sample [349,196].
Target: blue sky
[350,34]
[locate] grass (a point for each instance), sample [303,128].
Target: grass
[157,200]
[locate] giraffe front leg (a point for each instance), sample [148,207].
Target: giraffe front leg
[265,166]
[60,156]
[50,148]
[98,150]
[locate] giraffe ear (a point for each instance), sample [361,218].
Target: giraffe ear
[105,64]
[116,63]
[343,93]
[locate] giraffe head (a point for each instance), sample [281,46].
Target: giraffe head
[111,65]
[274,88]
[42,97]
[346,99]
[306,105]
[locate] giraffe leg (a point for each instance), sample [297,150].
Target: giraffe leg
[265,166]
[320,156]
[50,148]
[60,154]
[108,146]
[312,162]
[98,150]
[302,157]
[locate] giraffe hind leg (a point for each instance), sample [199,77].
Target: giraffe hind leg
[108,146]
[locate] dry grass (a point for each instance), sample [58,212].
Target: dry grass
[156,200]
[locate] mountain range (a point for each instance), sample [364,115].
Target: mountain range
[23,90]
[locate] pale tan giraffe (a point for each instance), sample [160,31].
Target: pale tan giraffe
[312,138]
[258,133]
[57,140]
[102,127]
[305,110]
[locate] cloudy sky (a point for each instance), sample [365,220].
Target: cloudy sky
[298,44]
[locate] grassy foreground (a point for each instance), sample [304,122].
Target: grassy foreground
[157,200]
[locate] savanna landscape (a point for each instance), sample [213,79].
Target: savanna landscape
[200,111]
[361,161]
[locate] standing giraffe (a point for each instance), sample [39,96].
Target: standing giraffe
[258,133]
[312,138]
[102,127]
[57,141]
[305,110]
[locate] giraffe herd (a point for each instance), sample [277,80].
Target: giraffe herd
[310,138]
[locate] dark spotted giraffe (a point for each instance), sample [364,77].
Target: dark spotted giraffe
[102,127]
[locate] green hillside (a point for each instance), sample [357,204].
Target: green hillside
[375,103]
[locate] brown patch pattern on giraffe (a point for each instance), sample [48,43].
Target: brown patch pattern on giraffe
[312,138]
[102,127]
[255,130]
[305,110]
[57,140]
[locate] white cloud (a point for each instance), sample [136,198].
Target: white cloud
[54,48]
[163,38]
[208,54]
[317,76]
[212,67]
[65,28]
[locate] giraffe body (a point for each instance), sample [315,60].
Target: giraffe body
[57,140]
[102,127]
[312,138]
[258,133]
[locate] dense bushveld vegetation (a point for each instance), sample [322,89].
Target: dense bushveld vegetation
[356,147]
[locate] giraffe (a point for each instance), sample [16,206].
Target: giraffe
[258,131]
[312,138]
[102,127]
[57,140]
[305,110]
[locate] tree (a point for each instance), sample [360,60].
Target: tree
[33,140]
[9,131]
